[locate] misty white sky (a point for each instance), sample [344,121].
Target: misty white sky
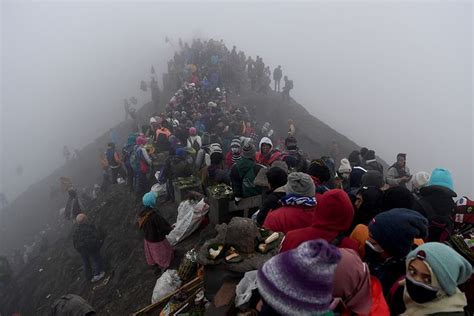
[392,76]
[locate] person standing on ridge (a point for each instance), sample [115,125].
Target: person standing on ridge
[277,73]
[286,89]
[399,174]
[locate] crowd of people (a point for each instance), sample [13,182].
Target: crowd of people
[358,239]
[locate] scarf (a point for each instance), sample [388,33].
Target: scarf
[453,303]
[294,200]
[236,157]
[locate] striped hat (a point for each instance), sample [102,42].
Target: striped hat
[300,281]
[235,142]
[215,148]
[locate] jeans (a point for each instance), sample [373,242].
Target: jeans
[92,263]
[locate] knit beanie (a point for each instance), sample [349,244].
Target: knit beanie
[441,177]
[235,142]
[248,151]
[345,166]
[395,230]
[420,179]
[397,197]
[449,267]
[192,131]
[141,140]
[317,168]
[354,158]
[369,155]
[215,148]
[372,178]
[149,199]
[300,184]
[300,281]
[277,177]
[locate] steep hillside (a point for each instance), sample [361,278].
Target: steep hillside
[58,270]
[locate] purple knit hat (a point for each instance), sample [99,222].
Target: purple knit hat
[300,281]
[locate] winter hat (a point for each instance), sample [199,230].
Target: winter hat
[300,184]
[345,166]
[248,151]
[352,282]
[235,142]
[265,140]
[369,155]
[211,104]
[441,177]
[192,131]
[317,168]
[449,267]
[363,151]
[420,179]
[181,152]
[141,140]
[300,281]
[354,158]
[395,230]
[372,178]
[397,197]
[402,155]
[215,148]
[277,177]
[149,199]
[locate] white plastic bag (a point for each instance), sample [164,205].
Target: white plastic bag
[190,215]
[159,189]
[167,283]
[243,291]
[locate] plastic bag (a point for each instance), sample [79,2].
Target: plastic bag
[243,291]
[190,215]
[168,282]
[159,189]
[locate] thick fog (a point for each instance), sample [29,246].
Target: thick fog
[392,76]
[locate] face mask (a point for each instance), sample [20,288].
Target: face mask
[375,248]
[420,292]
[372,256]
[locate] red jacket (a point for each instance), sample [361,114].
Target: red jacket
[334,214]
[287,218]
[267,160]
[379,304]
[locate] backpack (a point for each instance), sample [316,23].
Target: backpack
[248,187]
[290,84]
[162,142]
[206,138]
[135,159]
[439,227]
[110,154]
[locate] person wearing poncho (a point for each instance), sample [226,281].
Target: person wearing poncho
[158,250]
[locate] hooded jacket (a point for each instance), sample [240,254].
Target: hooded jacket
[333,215]
[288,218]
[270,157]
